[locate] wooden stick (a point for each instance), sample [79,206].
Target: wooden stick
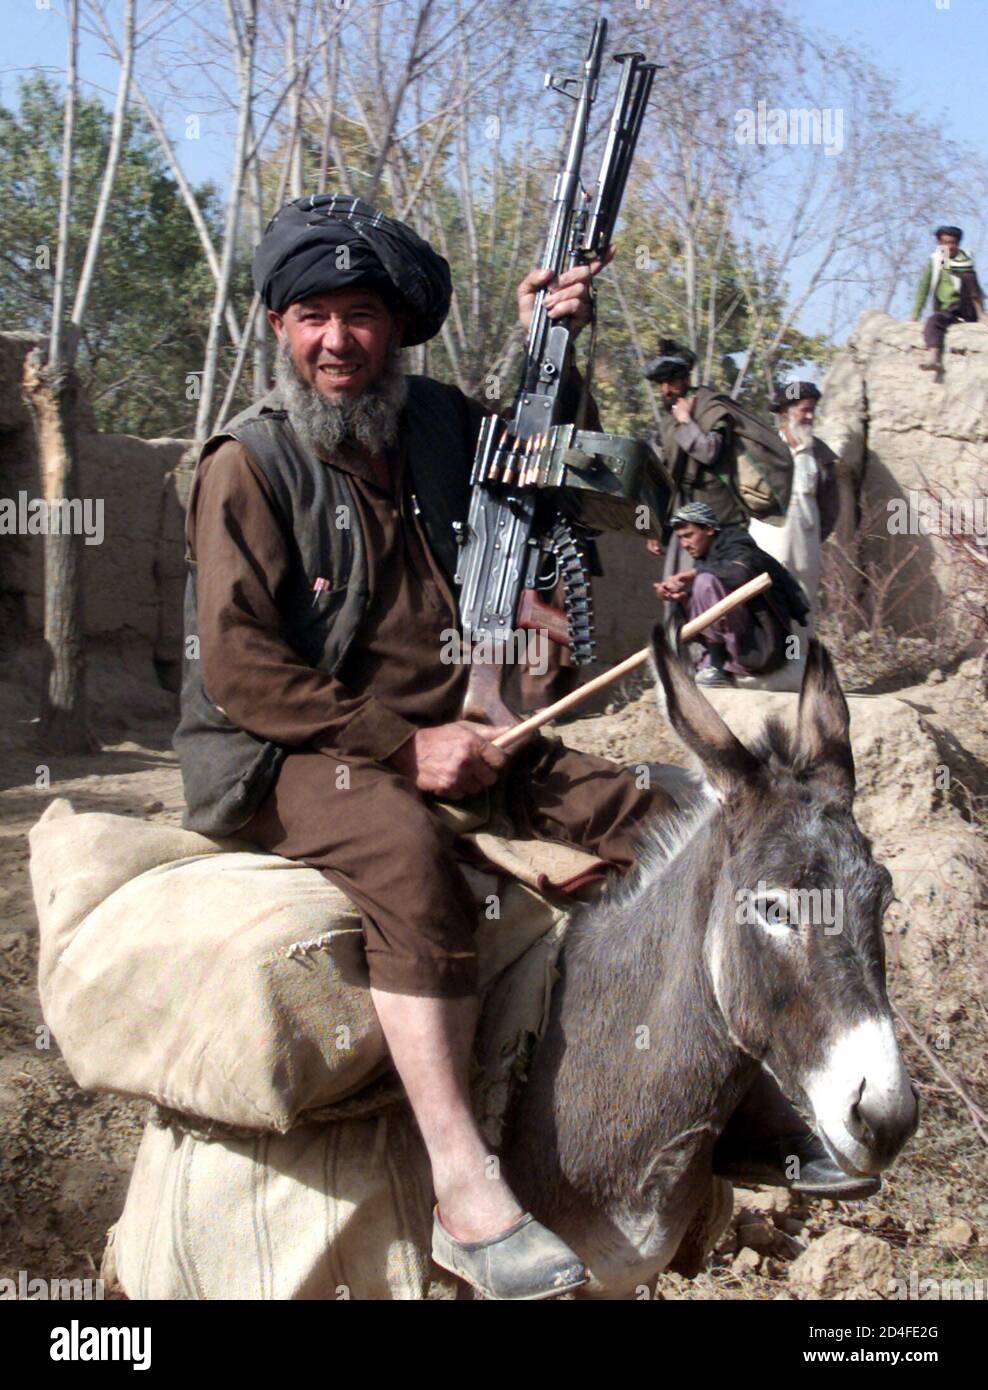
[519,732]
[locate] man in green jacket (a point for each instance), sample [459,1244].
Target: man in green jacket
[956,294]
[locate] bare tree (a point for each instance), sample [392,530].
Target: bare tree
[254,322]
[174,163]
[242,22]
[117,131]
[51,389]
[760,228]
[428,108]
[329,149]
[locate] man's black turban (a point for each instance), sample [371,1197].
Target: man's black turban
[949,231]
[330,242]
[673,361]
[792,392]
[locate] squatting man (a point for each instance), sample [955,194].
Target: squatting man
[319,648]
[753,638]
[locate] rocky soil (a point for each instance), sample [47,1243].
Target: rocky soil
[921,753]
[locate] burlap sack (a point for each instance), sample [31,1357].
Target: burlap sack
[229,986]
[328,1211]
[331,1211]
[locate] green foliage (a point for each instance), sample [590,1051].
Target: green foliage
[149,307]
[148,313]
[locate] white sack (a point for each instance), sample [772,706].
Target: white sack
[229,986]
[327,1211]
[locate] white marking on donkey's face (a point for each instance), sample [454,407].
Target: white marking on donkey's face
[862,1098]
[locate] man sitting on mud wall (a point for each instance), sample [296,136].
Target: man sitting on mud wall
[319,719]
[957,296]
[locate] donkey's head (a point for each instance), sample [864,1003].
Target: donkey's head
[794,943]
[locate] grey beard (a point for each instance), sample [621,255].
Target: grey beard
[368,421]
[803,434]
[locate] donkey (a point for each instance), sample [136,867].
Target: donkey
[679,985]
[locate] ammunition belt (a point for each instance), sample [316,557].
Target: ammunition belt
[577,597]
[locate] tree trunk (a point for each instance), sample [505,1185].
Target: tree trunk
[51,395]
[257,324]
[244,58]
[51,390]
[88,271]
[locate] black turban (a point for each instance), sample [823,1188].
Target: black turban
[673,361]
[299,256]
[792,392]
[949,231]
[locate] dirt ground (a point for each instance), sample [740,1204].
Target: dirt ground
[65,1156]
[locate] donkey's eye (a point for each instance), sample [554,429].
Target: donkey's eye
[775,912]
[775,907]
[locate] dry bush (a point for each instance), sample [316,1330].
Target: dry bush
[865,604]
[969,558]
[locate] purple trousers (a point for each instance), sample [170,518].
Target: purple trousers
[731,631]
[935,327]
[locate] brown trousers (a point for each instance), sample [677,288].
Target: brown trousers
[376,837]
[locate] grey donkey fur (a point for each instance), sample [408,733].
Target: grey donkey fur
[670,1000]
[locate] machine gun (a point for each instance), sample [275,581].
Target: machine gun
[538,482]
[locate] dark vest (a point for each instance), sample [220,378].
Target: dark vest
[227,771]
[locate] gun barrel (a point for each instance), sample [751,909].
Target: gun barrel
[507,535]
[626,122]
[566,192]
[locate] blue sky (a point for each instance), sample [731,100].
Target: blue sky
[937,49]
[937,52]
[36,38]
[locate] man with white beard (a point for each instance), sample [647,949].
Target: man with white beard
[813,504]
[319,719]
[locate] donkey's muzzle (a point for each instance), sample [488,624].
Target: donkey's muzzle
[882,1124]
[864,1103]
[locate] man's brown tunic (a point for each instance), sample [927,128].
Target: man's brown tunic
[337,803]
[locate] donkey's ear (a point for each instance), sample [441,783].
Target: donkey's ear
[727,763]
[823,724]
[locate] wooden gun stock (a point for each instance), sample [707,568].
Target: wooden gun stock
[535,613]
[482,700]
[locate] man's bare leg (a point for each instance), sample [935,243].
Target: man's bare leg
[430,1041]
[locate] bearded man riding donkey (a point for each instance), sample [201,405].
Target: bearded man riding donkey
[319,721]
